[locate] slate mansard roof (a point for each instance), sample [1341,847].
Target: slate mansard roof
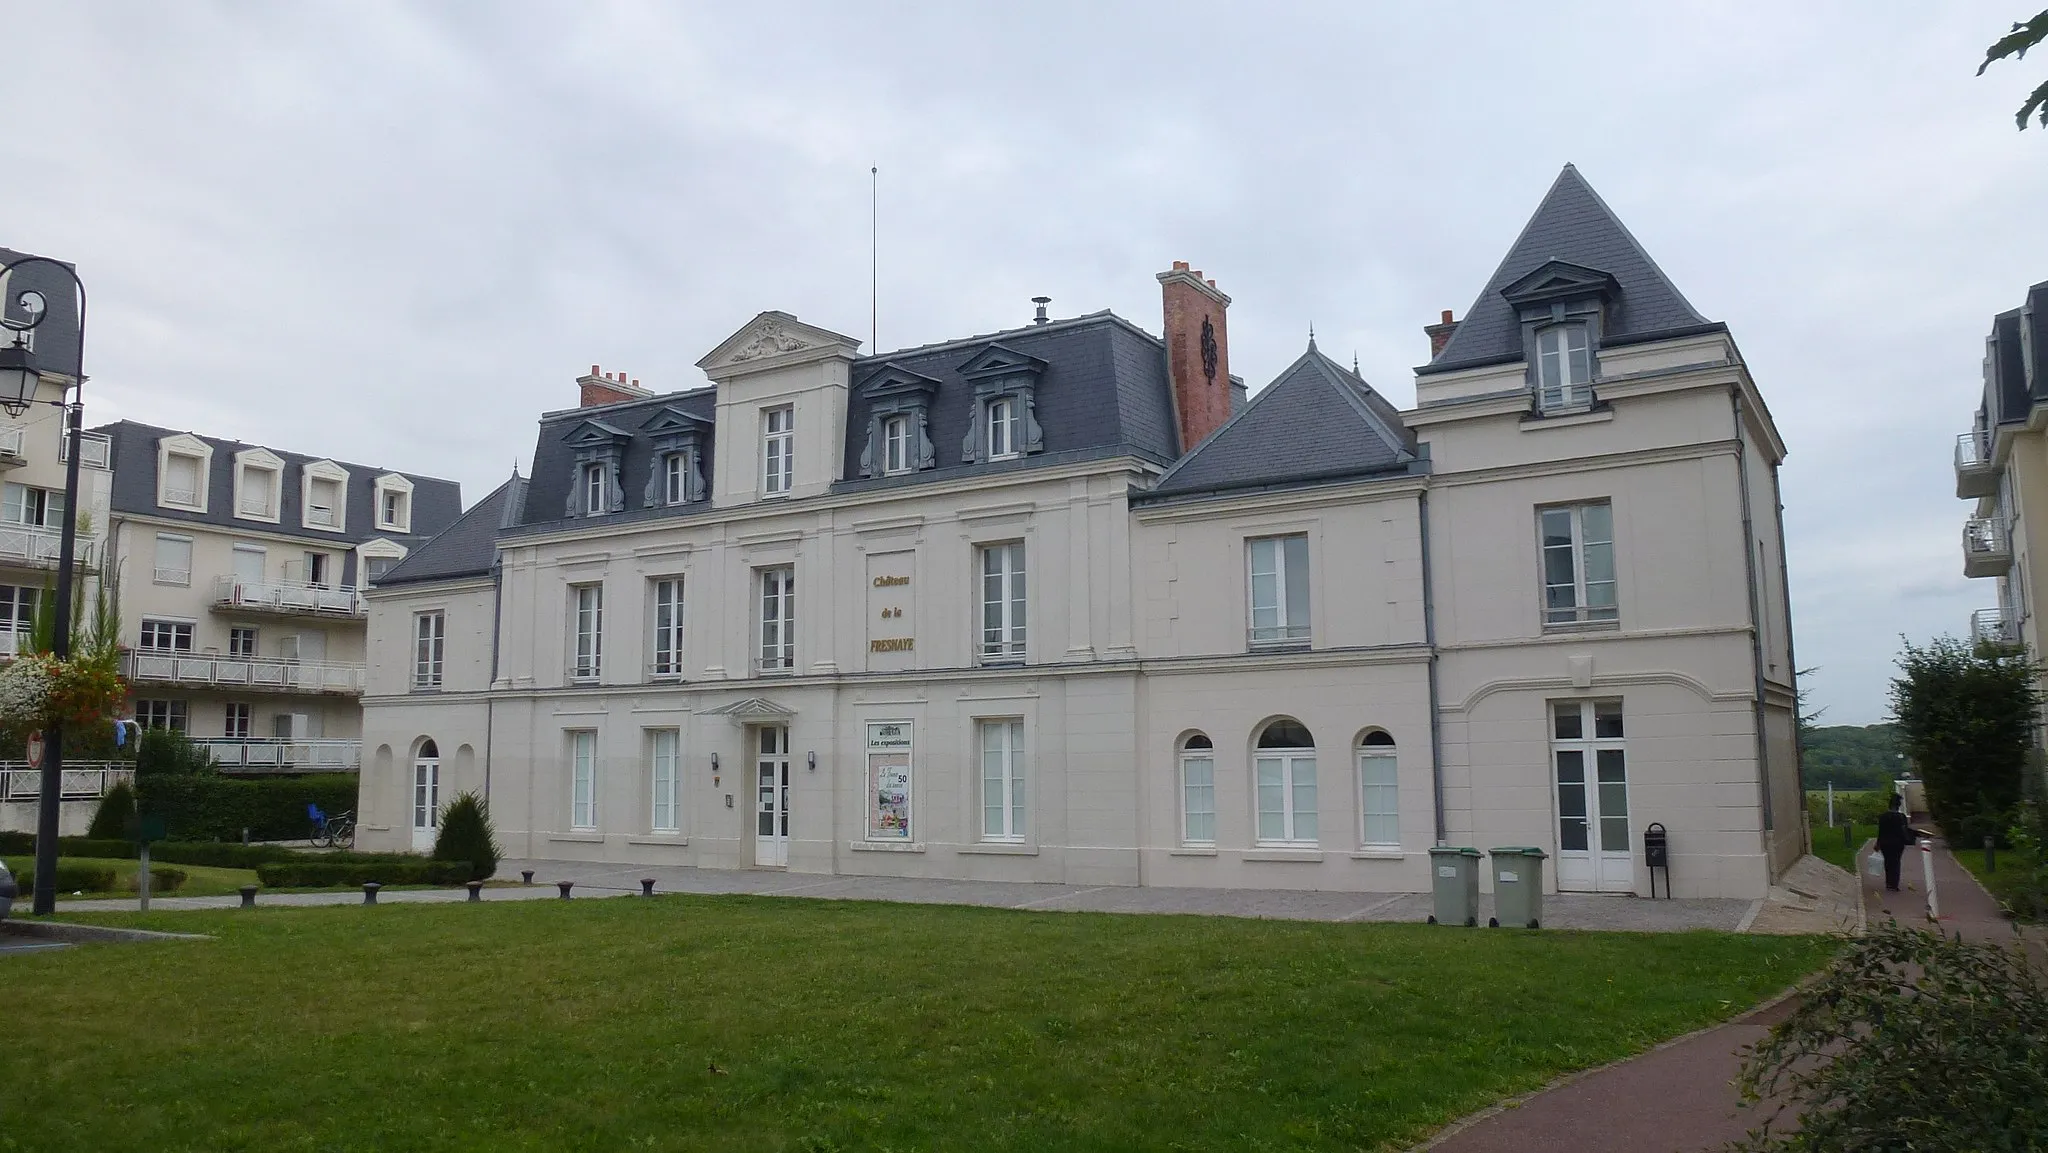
[1574,225]
[56,338]
[554,461]
[2016,362]
[467,548]
[435,502]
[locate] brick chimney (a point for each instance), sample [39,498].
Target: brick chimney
[1197,351]
[1440,333]
[602,387]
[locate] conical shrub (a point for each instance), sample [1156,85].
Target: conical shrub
[116,818]
[466,836]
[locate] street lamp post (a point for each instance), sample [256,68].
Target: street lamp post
[20,377]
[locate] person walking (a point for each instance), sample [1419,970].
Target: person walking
[1893,836]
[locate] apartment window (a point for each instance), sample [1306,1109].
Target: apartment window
[237,720]
[374,567]
[778,442]
[1379,791]
[1002,428]
[161,715]
[674,471]
[1002,602]
[667,817]
[1578,564]
[1278,586]
[256,489]
[323,502]
[1564,367]
[393,511]
[1198,791]
[896,455]
[173,559]
[583,780]
[250,561]
[1002,780]
[430,645]
[29,505]
[241,642]
[166,636]
[318,567]
[182,475]
[593,489]
[589,623]
[667,648]
[778,619]
[17,616]
[1286,769]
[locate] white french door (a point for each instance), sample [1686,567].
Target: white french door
[426,802]
[1590,771]
[771,797]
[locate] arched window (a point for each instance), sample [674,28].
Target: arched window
[1379,791]
[426,794]
[1286,784]
[1198,791]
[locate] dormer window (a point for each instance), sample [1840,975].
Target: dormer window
[778,457]
[324,498]
[676,473]
[1005,423]
[899,415]
[895,445]
[1564,367]
[593,489]
[1002,428]
[181,471]
[394,503]
[672,471]
[259,484]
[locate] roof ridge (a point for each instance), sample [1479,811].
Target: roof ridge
[1026,329]
[244,445]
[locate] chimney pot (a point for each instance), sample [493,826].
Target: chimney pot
[1447,316]
[593,370]
[1180,266]
[1212,283]
[1440,333]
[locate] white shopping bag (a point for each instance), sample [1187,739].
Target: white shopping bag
[1874,865]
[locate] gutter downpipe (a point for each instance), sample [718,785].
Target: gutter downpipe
[1791,661]
[491,693]
[1436,746]
[1756,637]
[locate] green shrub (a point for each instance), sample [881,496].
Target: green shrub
[315,874]
[17,844]
[212,807]
[116,815]
[465,836]
[1909,1041]
[161,880]
[72,876]
[164,752]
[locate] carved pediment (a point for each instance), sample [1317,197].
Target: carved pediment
[895,380]
[1561,280]
[594,434]
[753,711]
[997,360]
[672,420]
[767,338]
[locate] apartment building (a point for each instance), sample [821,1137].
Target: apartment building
[1057,603]
[2002,465]
[241,572]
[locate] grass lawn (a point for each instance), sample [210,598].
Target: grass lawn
[751,1023]
[1858,805]
[2005,884]
[200,880]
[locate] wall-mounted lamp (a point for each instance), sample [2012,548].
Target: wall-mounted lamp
[714,762]
[714,775]
[812,760]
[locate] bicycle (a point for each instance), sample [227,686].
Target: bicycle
[338,831]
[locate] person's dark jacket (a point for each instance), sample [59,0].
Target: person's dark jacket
[1893,832]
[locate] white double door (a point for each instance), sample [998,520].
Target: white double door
[426,803]
[1590,767]
[771,796]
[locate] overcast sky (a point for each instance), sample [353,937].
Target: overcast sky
[395,234]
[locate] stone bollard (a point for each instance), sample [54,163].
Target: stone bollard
[1848,832]
[370,892]
[526,876]
[647,886]
[476,890]
[249,896]
[565,886]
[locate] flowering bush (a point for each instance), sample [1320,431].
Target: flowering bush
[37,690]
[24,693]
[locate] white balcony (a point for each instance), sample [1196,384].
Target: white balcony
[284,755]
[36,547]
[78,780]
[239,596]
[13,443]
[1987,547]
[95,449]
[1993,627]
[1975,477]
[261,674]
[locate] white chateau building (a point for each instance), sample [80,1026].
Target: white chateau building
[1057,604]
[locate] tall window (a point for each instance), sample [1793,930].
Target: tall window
[1198,791]
[17,615]
[430,641]
[161,715]
[318,565]
[583,780]
[588,601]
[391,512]
[1583,731]
[29,505]
[241,642]
[1379,791]
[674,469]
[256,494]
[181,480]
[895,445]
[1002,427]
[1002,602]
[1279,589]
[1564,367]
[237,721]
[593,489]
[778,442]
[1578,564]
[173,559]
[1002,780]
[668,628]
[1286,764]
[166,636]
[323,502]
[667,819]
[778,619]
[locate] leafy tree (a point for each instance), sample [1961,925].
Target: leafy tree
[1850,756]
[466,836]
[169,753]
[1966,716]
[116,814]
[2015,44]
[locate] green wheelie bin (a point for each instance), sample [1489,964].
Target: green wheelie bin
[1517,886]
[1454,876]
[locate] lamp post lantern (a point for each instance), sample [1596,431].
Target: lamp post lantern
[20,378]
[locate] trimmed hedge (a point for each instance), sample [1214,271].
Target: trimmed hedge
[213,854]
[85,877]
[206,807]
[320,873]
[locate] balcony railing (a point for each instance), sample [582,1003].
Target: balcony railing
[13,442]
[1993,627]
[32,545]
[95,449]
[1975,477]
[260,673]
[282,754]
[233,594]
[1987,547]
[79,780]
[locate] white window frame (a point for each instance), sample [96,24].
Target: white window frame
[586,632]
[389,485]
[1005,777]
[675,471]
[1291,770]
[1002,428]
[174,714]
[1582,547]
[238,720]
[1379,795]
[200,453]
[775,609]
[324,472]
[665,760]
[1564,367]
[430,648]
[236,635]
[156,631]
[259,473]
[583,780]
[778,450]
[897,457]
[665,619]
[1004,608]
[32,505]
[1192,791]
[1290,624]
[163,574]
[591,479]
